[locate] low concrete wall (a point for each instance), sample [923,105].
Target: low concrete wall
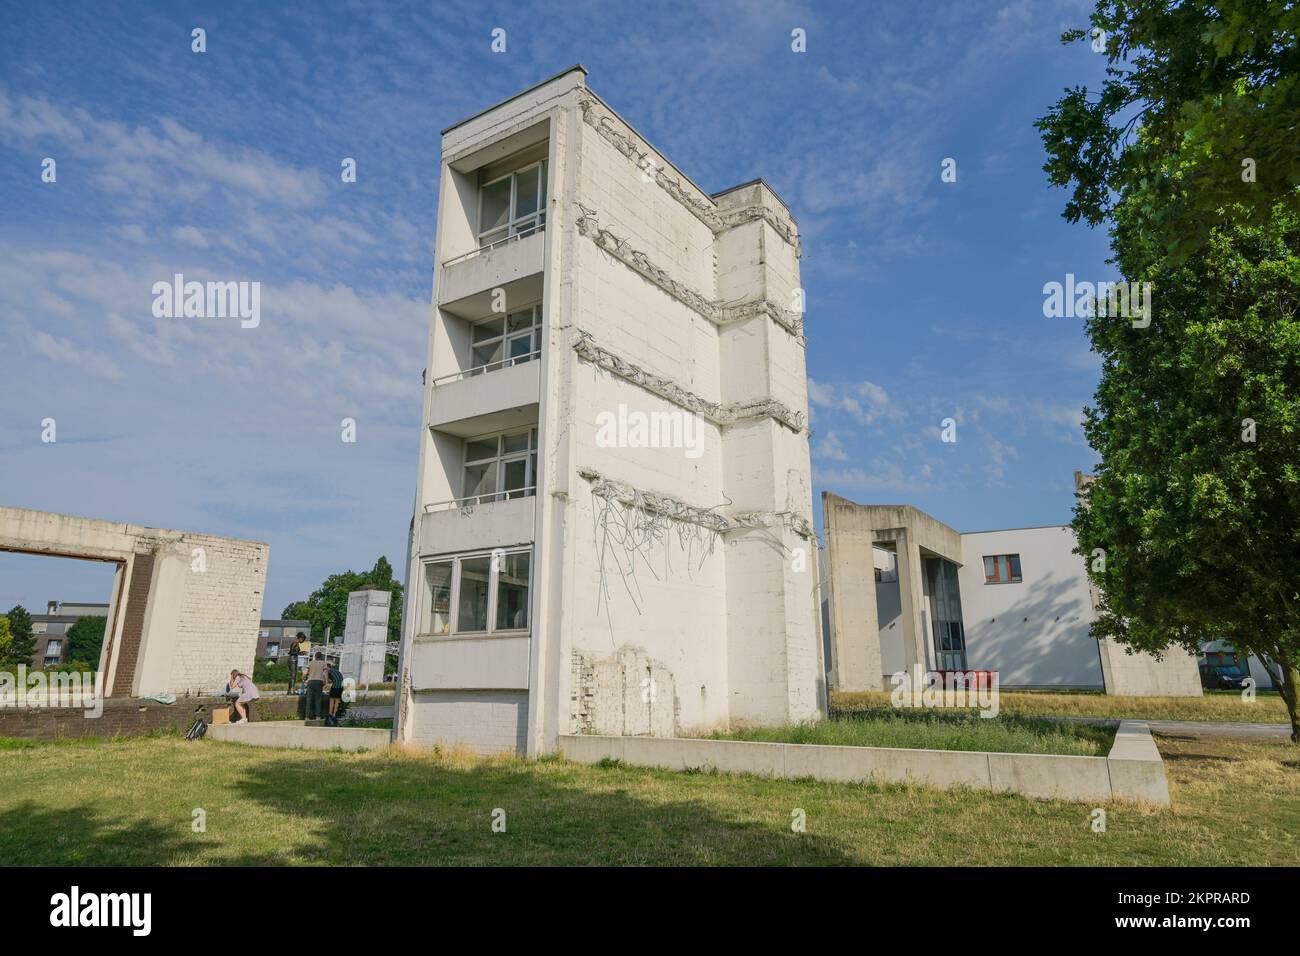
[1132,772]
[123,717]
[294,733]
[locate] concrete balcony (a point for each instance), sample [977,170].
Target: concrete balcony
[470,663]
[475,404]
[451,527]
[465,283]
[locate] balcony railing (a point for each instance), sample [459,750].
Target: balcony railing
[483,369]
[473,500]
[522,234]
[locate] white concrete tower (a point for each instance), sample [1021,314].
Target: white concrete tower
[612,528]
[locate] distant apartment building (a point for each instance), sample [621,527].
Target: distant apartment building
[274,638]
[612,529]
[51,628]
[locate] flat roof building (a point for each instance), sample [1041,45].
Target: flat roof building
[613,516]
[909,592]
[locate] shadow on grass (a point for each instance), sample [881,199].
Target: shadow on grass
[304,809]
[88,834]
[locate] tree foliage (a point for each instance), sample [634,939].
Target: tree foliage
[1195,510]
[1215,85]
[8,659]
[86,639]
[328,604]
[23,646]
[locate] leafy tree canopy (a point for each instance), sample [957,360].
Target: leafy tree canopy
[86,639]
[1199,113]
[24,643]
[328,604]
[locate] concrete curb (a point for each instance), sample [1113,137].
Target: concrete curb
[296,734]
[1133,772]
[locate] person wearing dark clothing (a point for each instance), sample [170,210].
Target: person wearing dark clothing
[316,674]
[295,651]
[336,695]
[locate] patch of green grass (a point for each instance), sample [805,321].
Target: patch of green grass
[1265,709]
[931,730]
[130,802]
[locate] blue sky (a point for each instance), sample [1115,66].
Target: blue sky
[924,297]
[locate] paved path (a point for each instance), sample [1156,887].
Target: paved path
[1194,728]
[1220,728]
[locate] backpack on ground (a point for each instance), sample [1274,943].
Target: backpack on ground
[197,730]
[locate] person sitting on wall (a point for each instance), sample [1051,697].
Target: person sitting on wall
[317,671]
[242,688]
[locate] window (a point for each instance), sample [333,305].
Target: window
[273,649]
[478,594]
[1002,569]
[500,466]
[438,577]
[512,592]
[506,340]
[54,648]
[514,205]
[475,586]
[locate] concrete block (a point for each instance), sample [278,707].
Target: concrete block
[1137,771]
[1052,776]
[295,734]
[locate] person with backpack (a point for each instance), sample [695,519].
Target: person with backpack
[336,695]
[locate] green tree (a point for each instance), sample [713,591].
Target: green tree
[86,639]
[24,642]
[1191,528]
[328,604]
[7,658]
[1212,85]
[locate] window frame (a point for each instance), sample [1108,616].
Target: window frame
[533,333]
[1003,572]
[511,227]
[501,459]
[494,573]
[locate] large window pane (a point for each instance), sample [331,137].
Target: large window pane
[526,193]
[513,443]
[480,480]
[515,475]
[438,576]
[512,592]
[494,208]
[520,320]
[480,449]
[521,346]
[487,330]
[473,608]
[486,354]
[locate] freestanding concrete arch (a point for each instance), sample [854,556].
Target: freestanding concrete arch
[184,608]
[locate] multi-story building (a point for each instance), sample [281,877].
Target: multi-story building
[50,630]
[612,526]
[275,636]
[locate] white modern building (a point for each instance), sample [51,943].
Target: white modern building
[612,526]
[907,591]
